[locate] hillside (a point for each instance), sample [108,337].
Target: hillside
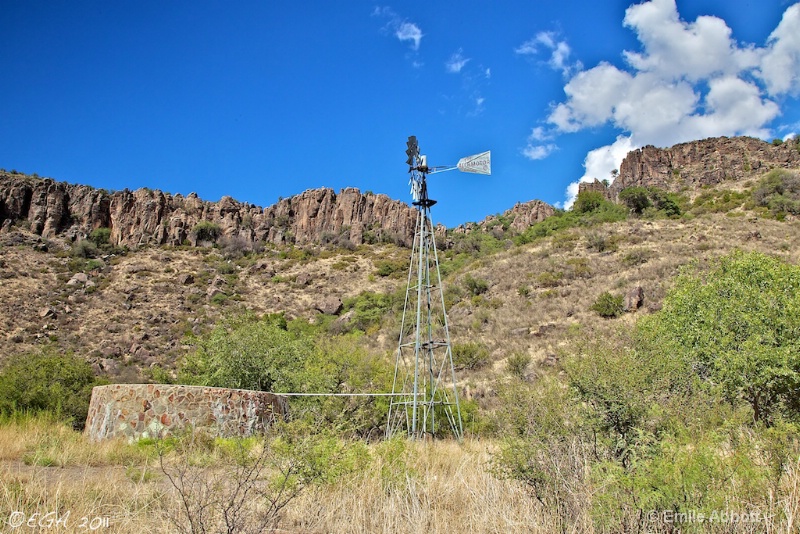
[128,309]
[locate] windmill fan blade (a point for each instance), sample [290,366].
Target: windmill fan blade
[478,164]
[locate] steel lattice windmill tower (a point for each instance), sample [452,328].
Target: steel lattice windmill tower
[424,398]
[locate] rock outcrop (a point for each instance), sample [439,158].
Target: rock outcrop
[148,217]
[527,214]
[705,162]
[151,217]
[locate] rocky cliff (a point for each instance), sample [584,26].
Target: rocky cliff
[704,162]
[145,216]
[148,217]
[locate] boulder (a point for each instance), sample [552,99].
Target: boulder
[634,299]
[329,305]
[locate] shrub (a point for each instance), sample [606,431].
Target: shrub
[549,279]
[601,242]
[391,267]
[206,231]
[247,352]
[84,249]
[738,328]
[608,305]
[588,201]
[779,191]
[470,355]
[475,286]
[517,364]
[49,382]
[368,309]
[233,247]
[100,236]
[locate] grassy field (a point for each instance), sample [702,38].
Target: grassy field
[46,468]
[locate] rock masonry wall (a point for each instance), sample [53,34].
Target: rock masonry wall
[135,411]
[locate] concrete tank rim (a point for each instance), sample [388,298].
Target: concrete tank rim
[190,387]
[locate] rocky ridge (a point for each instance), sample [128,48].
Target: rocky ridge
[151,217]
[704,162]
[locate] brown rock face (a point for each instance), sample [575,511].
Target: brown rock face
[596,186]
[144,216]
[705,162]
[529,213]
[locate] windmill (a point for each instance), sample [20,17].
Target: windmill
[424,399]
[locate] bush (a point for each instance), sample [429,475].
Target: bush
[517,365]
[779,191]
[475,286]
[601,242]
[636,198]
[368,309]
[246,352]
[588,201]
[470,355]
[48,382]
[100,236]
[608,305]
[84,249]
[206,231]
[391,267]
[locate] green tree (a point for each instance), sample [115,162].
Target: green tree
[47,381]
[636,198]
[260,353]
[588,201]
[738,328]
[248,352]
[207,231]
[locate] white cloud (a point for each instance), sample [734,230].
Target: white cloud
[676,49]
[689,80]
[780,67]
[537,146]
[534,152]
[408,31]
[456,62]
[559,51]
[402,29]
[598,165]
[591,98]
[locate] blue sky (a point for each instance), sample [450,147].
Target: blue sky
[261,100]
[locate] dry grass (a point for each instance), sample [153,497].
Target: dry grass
[410,487]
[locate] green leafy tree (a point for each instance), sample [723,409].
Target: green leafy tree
[207,231]
[738,328]
[49,382]
[247,352]
[260,353]
[588,201]
[636,198]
